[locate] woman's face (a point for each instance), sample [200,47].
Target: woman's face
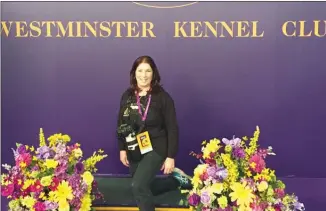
[144,75]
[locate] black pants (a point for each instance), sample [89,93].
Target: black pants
[144,183]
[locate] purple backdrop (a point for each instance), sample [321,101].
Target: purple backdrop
[221,86]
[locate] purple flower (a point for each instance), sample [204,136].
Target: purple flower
[205,198]
[297,205]
[50,205]
[61,152]
[211,171]
[228,208]
[238,152]
[60,171]
[79,168]
[44,152]
[35,168]
[194,200]
[222,173]
[207,209]
[21,149]
[235,142]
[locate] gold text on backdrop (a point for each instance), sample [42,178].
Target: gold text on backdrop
[195,29]
[304,28]
[77,29]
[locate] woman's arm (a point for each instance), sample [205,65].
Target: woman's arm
[171,124]
[121,139]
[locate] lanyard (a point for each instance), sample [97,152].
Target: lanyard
[143,116]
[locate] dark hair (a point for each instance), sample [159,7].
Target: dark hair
[155,84]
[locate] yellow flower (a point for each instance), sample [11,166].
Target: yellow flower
[270,192]
[86,203]
[78,153]
[222,202]
[27,183]
[195,182]
[50,163]
[269,208]
[64,205]
[22,164]
[228,148]
[212,146]
[58,138]
[252,164]
[242,194]
[64,191]
[52,196]
[65,138]
[34,174]
[217,188]
[286,200]
[90,162]
[3,177]
[14,204]
[199,170]
[28,201]
[231,168]
[41,138]
[263,185]
[46,181]
[41,195]
[253,144]
[266,174]
[88,177]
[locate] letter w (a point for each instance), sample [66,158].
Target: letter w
[4,27]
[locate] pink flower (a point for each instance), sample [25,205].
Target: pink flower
[204,176]
[210,161]
[54,184]
[24,158]
[39,206]
[256,207]
[277,207]
[37,187]
[279,192]
[26,192]
[7,190]
[257,163]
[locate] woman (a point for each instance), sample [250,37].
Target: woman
[148,135]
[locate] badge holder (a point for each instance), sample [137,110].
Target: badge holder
[143,138]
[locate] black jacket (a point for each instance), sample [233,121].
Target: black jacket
[161,121]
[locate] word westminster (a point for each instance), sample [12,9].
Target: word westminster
[146,29]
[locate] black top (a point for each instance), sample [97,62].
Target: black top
[161,121]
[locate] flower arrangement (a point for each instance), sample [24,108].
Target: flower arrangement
[52,177]
[233,176]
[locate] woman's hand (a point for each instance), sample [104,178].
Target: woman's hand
[123,158]
[168,166]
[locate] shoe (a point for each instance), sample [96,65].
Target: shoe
[183,179]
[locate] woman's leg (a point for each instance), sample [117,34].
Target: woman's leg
[178,179]
[143,173]
[162,185]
